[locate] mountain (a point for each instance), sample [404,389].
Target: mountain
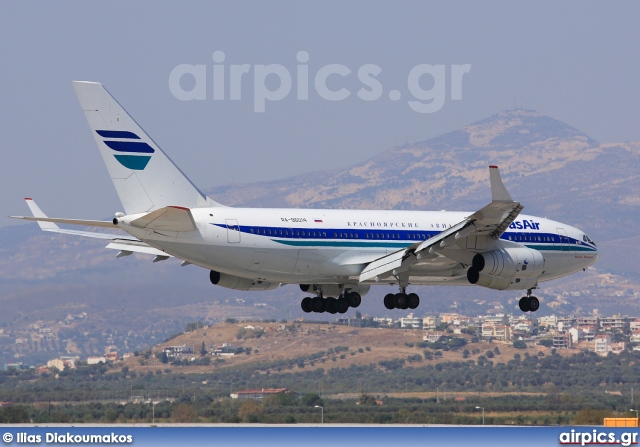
[78,289]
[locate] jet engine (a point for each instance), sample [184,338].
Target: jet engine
[238,283]
[506,268]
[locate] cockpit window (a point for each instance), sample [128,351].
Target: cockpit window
[587,239]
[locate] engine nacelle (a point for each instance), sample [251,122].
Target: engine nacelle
[238,283]
[522,262]
[499,282]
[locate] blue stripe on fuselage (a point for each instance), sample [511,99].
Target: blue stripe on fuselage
[339,237]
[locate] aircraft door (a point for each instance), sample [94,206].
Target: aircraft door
[233,231]
[564,239]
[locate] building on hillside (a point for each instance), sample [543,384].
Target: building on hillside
[496,332]
[63,362]
[587,321]
[634,325]
[95,359]
[548,323]
[635,336]
[18,366]
[349,321]
[383,321]
[431,322]
[618,347]
[178,351]
[613,322]
[411,322]
[522,326]
[258,394]
[565,323]
[588,332]
[448,318]
[575,335]
[495,320]
[433,337]
[111,356]
[226,349]
[562,341]
[602,343]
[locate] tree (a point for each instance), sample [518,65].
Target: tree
[13,415]
[203,349]
[519,344]
[184,413]
[250,411]
[367,399]
[311,400]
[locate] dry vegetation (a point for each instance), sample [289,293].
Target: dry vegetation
[290,341]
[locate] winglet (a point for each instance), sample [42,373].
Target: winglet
[499,192]
[37,212]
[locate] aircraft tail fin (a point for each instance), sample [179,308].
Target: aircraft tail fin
[145,178]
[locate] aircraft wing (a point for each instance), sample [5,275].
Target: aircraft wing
[491,220]
[126,244]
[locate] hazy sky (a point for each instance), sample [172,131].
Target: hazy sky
[575,61]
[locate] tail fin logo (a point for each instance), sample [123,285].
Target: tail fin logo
[126,145]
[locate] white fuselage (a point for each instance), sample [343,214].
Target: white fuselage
[301,246]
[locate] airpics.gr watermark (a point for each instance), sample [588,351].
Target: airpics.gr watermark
[274,82]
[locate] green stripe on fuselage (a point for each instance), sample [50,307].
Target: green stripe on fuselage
[560,248]
[360,244]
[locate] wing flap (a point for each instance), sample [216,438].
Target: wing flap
[491,220]
[383,265]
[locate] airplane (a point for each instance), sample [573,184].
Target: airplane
[335,256]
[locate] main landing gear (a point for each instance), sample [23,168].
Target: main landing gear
[529,303]
[401,300]
[340,305]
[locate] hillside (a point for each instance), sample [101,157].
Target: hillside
[282,347]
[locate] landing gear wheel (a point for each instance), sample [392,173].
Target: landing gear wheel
[306,305]
[318,304]
[533,303]
[331,305]
[413,300]
[401,301]
[524,304]
[354,299]
[389,301]
[342,305]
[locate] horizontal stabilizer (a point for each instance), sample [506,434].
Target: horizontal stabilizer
[49,224]
[55,220]
[170,218]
